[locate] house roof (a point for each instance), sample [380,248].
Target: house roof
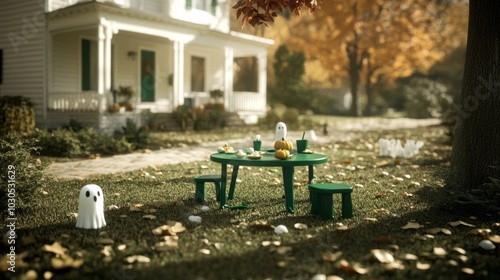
[87,14]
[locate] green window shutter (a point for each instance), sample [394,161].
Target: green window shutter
[189,4]
[85,64]
[214,7]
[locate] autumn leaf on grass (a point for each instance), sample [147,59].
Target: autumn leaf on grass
[494,238]
[261,225]
[484,232]
[55,248]
[65,261]
[171,228]
[300,226]
[105,241]
[137,258]
[330,257]
[412,225]
[438,230]
[168,243]
[458,223]
[346,267]
[149,217]
[383,256]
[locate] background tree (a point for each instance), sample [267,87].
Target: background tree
[289,88]
[476,146]
[365,42]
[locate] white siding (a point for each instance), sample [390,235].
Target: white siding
[66,63]
[22,29]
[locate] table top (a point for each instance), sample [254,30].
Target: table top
[268,159]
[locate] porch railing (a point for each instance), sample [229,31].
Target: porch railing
[73,101]
[249,102]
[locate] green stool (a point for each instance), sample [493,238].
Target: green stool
[321,196]
[200,186]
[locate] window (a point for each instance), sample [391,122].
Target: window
[245,74]
[203,5]
[89,65]
[197,74]
[1,66]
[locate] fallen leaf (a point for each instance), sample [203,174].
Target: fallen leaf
[494,238]
[204,251]
[65,261]
[371,219]
[458,223]
[283,249]
[394,265]
[150,217]
[438,230]
[346,267]
[218,245]
[438,251]
[382,211]
[423,266]
[121,247]
[137,258]
[105,241]
[383,256]
[467,270]
[55,248]
[484,232]
[30,275]
[410,257]
[300,226]
[107,250]
[169,243]
[459,250]
[412,225]
[330,257]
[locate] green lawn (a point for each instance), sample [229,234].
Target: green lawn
[233,244]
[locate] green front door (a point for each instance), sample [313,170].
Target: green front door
[147,76]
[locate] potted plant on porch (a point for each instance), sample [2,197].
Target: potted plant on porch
[122,99]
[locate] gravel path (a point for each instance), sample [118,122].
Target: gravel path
[344,131]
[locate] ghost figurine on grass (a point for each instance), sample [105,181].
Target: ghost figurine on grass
[91,208]
[280,131]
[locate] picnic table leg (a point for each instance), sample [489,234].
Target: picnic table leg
[223,175]
[288,185]
[311,174]
[233,181]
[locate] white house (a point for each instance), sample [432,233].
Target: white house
[67,56]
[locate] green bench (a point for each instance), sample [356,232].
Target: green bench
[200,186]
[321,196]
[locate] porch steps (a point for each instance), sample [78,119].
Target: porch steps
[234,120]
[167,122]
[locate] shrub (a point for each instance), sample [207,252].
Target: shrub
[17,115]
[29,176]
[280,113]
[81,143]
[138,137]
[426,98]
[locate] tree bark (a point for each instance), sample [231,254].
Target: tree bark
[476,146]
[354,69]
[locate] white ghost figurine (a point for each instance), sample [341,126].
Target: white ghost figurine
[280,131]
[91,208]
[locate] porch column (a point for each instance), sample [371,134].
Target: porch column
[178,79]
[228,82]
[262,64]
[104,35]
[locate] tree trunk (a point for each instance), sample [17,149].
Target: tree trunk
[354,69]
[476,146]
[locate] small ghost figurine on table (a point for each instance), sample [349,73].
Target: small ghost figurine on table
[280,131]
[91,208]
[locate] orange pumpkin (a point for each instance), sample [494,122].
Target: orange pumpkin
[283,145]
[282,154]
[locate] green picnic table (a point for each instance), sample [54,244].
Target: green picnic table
[267,160]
